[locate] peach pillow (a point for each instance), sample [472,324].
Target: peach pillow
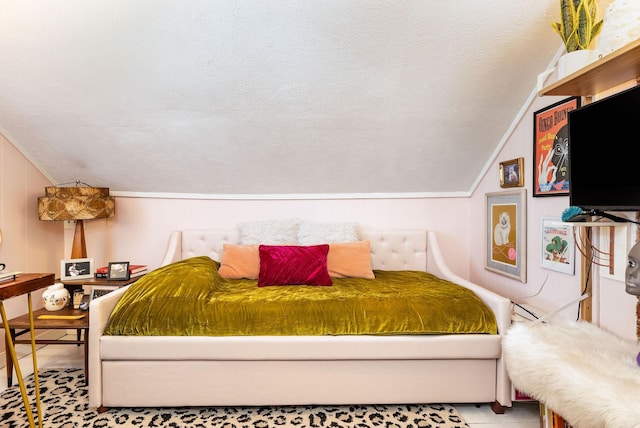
[350,259]
[240,261]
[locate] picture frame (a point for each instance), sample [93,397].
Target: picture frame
[506,233]
[557,245]
[118,271]
[512,173]
[551,148]
[98,291]
[72,269]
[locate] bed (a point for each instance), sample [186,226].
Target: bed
[149,370]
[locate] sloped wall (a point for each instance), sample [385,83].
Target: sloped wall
[613,309]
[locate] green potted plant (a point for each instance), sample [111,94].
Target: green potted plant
[578,28]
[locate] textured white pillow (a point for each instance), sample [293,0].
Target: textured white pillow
[327,233]
[269,232]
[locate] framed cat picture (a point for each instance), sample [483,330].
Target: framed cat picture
[506,233]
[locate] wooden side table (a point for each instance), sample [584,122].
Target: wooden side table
[25,283]
[79,283]
[81,325]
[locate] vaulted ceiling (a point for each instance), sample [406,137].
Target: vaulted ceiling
[258,97]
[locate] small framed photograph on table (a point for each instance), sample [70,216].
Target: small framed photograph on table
[118,271]
[99,291]
[71,269]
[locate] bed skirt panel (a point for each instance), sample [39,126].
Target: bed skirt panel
[247,383]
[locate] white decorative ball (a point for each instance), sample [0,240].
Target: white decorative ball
[55,297]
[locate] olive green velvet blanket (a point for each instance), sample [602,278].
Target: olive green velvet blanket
[190,298]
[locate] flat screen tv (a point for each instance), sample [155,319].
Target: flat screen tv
[604,153]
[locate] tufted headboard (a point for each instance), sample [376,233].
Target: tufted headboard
[390,250]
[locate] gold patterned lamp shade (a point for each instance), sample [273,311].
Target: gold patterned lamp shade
[76,203]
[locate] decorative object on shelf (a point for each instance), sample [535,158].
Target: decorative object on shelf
[134,271]
[98,291]
[78,203]
[118,271]
[8,276]
[512,173]
[578,28]
[551,148]
[571,62]
[71,269]
[55,297]
[78,295]
[558,246]
[506,233]
[621,26]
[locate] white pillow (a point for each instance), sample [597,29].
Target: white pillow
[327,233]
[269,232]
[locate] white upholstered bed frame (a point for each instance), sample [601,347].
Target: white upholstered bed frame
[138,371]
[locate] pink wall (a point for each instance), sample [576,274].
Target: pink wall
[613,309]
[28,244]
[139,232]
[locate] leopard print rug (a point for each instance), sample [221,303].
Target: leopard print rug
[64,402]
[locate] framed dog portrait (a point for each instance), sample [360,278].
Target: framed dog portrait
[506,233]
[512,173]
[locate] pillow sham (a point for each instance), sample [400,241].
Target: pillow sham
[239,261]
[350,259]
[326,233]
[269,232]
[293,265]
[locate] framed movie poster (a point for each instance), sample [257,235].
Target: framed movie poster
[506,233]
[551,148]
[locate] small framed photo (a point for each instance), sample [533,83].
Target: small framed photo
[512,173]
[71,269]
[506,233]
[97,291]
[118,271]
[558,246]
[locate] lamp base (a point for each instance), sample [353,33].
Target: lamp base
[79,247]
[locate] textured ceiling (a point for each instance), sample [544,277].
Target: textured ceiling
[259,97]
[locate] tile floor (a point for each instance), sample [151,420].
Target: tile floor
[521,415]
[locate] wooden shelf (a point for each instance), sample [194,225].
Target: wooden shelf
[598,223]
[611,70]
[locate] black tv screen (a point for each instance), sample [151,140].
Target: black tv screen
[604,153]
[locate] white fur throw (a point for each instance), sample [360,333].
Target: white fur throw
[269,232]
[294,231]
[586,374]
[327,233]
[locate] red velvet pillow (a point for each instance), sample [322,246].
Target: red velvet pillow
[293,265]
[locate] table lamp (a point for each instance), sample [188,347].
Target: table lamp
[80,202]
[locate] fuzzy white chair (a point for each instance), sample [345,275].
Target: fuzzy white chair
[584,373]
